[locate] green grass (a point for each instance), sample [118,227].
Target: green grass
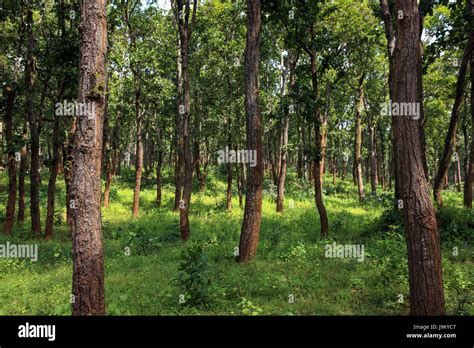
[290,262]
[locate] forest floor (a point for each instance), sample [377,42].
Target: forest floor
[290,275]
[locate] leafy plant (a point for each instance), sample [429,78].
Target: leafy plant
[196,277]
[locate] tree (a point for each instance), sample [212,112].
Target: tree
[424,254]
[88,254]
[185,31]
[253,203]
[35,126]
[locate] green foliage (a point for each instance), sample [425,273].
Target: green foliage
[196,277]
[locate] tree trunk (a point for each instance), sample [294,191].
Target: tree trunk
[253,204]
[159,163]
[468,181]
[139,150]
[358,140]
[424,254]
[229,167]
[284,133]
[34,129]
[22,176]
[453,124]
[48,230]
[373,158]
[86,228]
[320,145]
[185,36]
[10,93]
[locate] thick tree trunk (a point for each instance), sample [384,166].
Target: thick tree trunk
[453,124]
[358,139]
[34,129]
[10,93]
[253,204]
[424,254]
[86,228]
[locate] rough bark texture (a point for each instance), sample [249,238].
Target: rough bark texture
[424,255]
[453,124]
[10,93]
[88,253]
[253,204]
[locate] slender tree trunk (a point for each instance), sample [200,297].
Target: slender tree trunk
[358,139]
[284,133]
[10,93]
[34,129]
[253,204]
[373,158]
[424,254]
[229,167]
[22,176]
[159,163]
[178,171]
[185,36]
[139,152]
[453,124]
[88,252]
[320,145]
[469,180]
[48,231]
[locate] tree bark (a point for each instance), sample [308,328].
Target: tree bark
[86,228]
[424,254]
[253,204]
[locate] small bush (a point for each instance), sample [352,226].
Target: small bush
[196,277]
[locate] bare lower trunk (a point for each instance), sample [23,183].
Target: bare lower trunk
[320,145]
[88,252]
[424,253]
[253,204]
